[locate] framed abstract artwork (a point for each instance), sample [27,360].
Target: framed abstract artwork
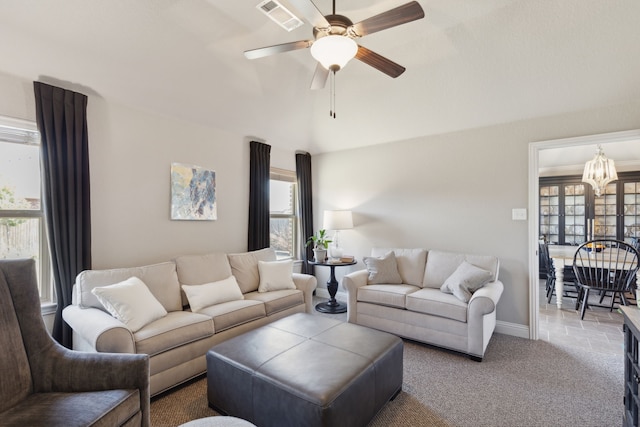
[193,193]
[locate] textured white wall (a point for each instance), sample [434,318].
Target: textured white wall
[131,154]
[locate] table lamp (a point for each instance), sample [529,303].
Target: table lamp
[336,221]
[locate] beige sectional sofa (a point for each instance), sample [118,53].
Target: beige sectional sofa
[177,341]
[415,307]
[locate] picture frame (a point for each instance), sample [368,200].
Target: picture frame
[193,193]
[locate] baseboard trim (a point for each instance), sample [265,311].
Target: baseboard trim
[513,329]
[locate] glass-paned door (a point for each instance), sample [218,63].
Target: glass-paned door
[550,213]
[574,213]
[571,213]
[631,210]
[605,214]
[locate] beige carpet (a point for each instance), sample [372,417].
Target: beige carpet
[520,383]
[190,402]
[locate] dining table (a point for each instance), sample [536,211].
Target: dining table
[562,255]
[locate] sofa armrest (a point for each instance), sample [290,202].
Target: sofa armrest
[101,331]
[481,317]
[351,282]
[484,300]
[307,284]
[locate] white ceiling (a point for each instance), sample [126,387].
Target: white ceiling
[571,160]
[470,63]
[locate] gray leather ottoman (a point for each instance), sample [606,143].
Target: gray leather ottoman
[305,370]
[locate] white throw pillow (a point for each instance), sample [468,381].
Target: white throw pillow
[465,281]
[275,275]
[131,302]
[383,270]
[201,296]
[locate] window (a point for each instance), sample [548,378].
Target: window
[283,213]
[22,225]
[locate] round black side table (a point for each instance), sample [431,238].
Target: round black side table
[332,306]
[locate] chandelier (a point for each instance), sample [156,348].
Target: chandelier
[599,172]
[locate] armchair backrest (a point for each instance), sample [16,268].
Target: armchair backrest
[15,372]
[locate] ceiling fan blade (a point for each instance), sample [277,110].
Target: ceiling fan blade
[379,62]
[310,13]
[320,77]
[278,48]
[397,16]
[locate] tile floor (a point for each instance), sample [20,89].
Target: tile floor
[600,330]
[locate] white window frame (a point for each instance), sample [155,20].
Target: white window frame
[20,131]
[285,175]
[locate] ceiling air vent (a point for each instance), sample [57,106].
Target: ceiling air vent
[279,14]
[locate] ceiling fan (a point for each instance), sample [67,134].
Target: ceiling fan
[334,39]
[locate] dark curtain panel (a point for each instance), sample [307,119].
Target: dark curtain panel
[305,206]
[260,164]
[62,122]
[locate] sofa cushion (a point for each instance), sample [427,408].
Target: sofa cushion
[411,263]
[199,269]
[275,275]
[432,301]
[382,270]
[234,313]
[244,266]
[161,279]
[174,330]
[81,408]
[391,295]
[441,265]
[131,302]
[275,301]
[465,280]
[201,296]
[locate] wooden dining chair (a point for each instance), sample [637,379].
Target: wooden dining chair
[546,267]
[550,275]
[608,266]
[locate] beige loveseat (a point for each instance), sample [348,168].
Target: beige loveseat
[415,307]
[177,342]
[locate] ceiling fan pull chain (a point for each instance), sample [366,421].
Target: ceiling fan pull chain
[332,95]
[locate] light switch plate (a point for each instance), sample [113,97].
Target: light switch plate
[519,214]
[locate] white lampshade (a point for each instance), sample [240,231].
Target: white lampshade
[599,172]
[331,51]
[337,220]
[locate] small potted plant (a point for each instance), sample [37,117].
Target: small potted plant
[320,242]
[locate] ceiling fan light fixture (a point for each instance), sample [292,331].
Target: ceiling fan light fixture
[334,51]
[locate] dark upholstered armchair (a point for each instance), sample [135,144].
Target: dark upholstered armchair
[43,383]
